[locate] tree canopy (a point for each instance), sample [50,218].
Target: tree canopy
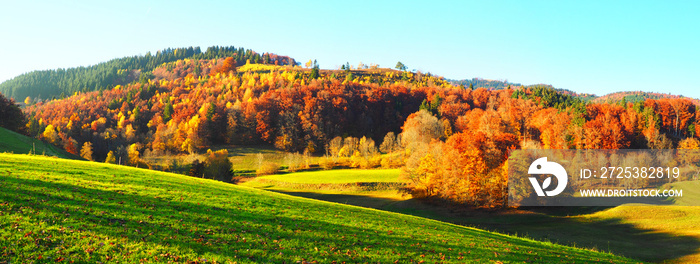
[11,117]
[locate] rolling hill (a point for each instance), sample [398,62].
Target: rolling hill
[14,142]
[54,210]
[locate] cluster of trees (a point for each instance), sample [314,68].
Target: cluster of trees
[466,163]
[48,84]
[352,152]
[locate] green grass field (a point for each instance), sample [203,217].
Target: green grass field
[673,231]
[13,142]
[54,210]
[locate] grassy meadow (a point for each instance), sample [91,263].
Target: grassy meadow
[55,210]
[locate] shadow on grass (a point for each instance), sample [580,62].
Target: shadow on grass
[351,199]
[607,235]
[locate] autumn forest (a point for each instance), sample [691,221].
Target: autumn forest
[451,140]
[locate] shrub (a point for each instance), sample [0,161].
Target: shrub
[217,165]
[268,168]
[326,163]
[295,162]
[392,161]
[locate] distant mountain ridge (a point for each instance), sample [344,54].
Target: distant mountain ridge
[500,85]
[634,96]
[485,83]
[629,96]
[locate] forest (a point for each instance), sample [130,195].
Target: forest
[49,84]
[451,141]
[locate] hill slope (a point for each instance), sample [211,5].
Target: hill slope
[16,143]
[62,210]
[47,84]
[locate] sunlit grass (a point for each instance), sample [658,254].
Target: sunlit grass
[54,210]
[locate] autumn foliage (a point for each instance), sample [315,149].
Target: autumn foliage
[469,166]
[452,142]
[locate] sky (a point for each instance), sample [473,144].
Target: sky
[587,46]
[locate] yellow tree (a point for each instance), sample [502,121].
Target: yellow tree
[130,133]
[86,151]
[50,134]
[188,139]
[421,170]
[110,158]
[689,143]
[134,154]
[687,150]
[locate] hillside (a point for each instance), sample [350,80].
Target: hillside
[13,142]
[59,210]
[190,105]
[59,83]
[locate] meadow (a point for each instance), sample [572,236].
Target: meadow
[672,231]
[55,210]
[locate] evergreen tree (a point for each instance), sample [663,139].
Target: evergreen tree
[315,71]
[400,66]
[168,112]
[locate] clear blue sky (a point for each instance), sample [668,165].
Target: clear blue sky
[585,46]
